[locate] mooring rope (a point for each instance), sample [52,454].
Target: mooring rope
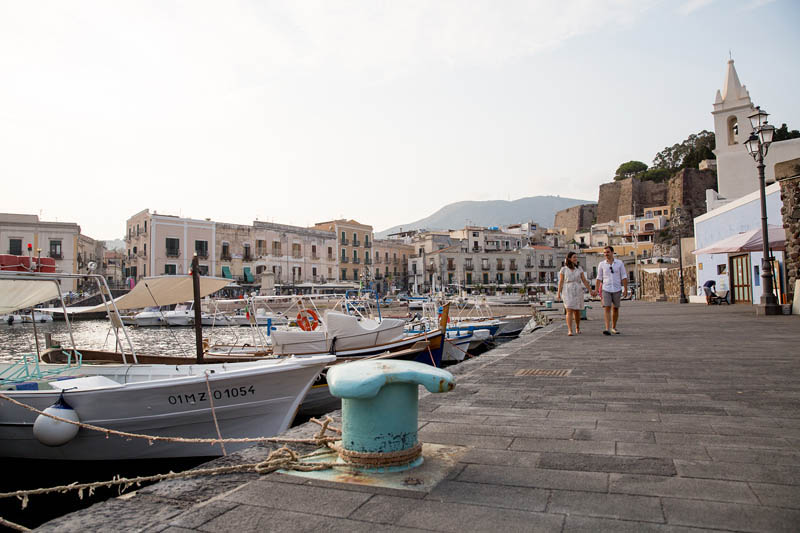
[214,414]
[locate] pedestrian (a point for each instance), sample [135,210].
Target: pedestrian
[612,285]
[569,280]
[709,288]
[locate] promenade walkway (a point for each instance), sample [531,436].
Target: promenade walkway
[689,419]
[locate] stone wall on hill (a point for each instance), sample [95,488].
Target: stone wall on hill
[665,285]
[788,175]
[687,188]
[576,218]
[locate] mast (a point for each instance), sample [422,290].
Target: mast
[198,316]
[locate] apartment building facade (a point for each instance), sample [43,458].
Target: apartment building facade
[57,240]
[354,248]
[389,269]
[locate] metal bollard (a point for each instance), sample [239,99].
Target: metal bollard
[380,411]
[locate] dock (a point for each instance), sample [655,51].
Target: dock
[688,419]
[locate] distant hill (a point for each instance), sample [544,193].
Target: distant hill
[116,244]
[540,209]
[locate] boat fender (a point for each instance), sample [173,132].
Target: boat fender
[51,432]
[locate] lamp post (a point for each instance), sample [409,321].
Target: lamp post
[679,217]
[757,145]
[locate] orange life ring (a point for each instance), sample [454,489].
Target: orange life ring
[307,319]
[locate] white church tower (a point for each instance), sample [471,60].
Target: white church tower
[732,128]
[736,171]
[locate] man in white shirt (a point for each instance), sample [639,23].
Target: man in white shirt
[612,285]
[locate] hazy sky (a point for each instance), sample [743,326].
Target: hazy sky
[382,111]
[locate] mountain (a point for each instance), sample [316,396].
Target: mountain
[116,244]
[540,209]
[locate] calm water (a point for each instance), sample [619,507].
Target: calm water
[97,334]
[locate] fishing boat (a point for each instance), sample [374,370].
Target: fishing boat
[251,399]
[149,317]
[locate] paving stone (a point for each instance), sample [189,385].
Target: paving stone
[119,514]
[619,506]
[303,498]
[502,431]
[478,441]
[660,450]
[578,446]
[585,524]
[732,516]
[246,519]
[618,436]
[535,477]
[199,515]
[501,457]
[777,495]
[780,474]
[760,456]
[605,463]
[728,441]
[454,517]
[689,488]
[523,498]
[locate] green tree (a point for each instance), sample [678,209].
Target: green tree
[629,169]
[686,154]
[783,134]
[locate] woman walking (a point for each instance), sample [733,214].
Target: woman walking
[570,278]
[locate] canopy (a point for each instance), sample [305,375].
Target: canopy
[21,293]
[248,275]
[226,272]
[163,290]
[748,241]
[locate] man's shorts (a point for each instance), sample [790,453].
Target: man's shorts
[611,298]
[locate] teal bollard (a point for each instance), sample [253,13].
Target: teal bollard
[380,410]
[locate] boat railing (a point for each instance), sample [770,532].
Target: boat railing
[28,369]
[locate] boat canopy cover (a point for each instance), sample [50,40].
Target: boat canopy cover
[163,290]
[21,293]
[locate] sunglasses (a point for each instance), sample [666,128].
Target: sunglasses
[612,269]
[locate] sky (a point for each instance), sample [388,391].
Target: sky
[302,111]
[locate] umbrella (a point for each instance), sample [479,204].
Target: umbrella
[748,241]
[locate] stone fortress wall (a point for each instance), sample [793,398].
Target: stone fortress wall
[576,218]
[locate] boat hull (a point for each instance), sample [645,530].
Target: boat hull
[250,400]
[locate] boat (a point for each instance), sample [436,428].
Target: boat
[181,315]
[136,393]
[149,317]
[456,346]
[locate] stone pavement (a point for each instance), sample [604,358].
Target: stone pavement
[689,420]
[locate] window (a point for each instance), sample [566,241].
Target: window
[469,278]
[173,247]
[313,251]
[344,271]
[355,256]
[355,274]
[226,251]
[246,255]
[55,249]
[314,271]
[722,269]
[145,226]
[276,248]
[203,269]
[330,252]
[297,251]
[201,248]
[15,246]
[261,247]
[170,270]
[499,277]
[486,278]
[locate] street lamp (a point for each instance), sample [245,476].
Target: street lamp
[757,146]
[679,216]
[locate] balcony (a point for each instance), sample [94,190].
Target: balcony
[367,261]
[378,275]
[469,267]
[314,257]
[356,243]
[344,260]
[476,249]
[512,267]
[200,255]
[395,261]
[247,257]
[56,255]
[529,264]
[378,260]
[451,266]
[225,257]
[297,255]
[485,267]
[277,252]
[331,257]
[501,267]
[367,244]
[173,252]
[344,242]
[356,260]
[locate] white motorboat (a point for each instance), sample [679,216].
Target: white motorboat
[127,393]
[182,315]
[456,345]
[253,399]
[149,317]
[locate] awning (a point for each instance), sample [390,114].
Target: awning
[748,241]
[20,293]
[164,290]
[226,272]
[248,276]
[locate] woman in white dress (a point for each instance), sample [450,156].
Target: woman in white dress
[569,286]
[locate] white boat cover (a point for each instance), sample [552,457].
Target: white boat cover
[163,290]
[351,333]
[21,293]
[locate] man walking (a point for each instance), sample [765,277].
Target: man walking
[612,285]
